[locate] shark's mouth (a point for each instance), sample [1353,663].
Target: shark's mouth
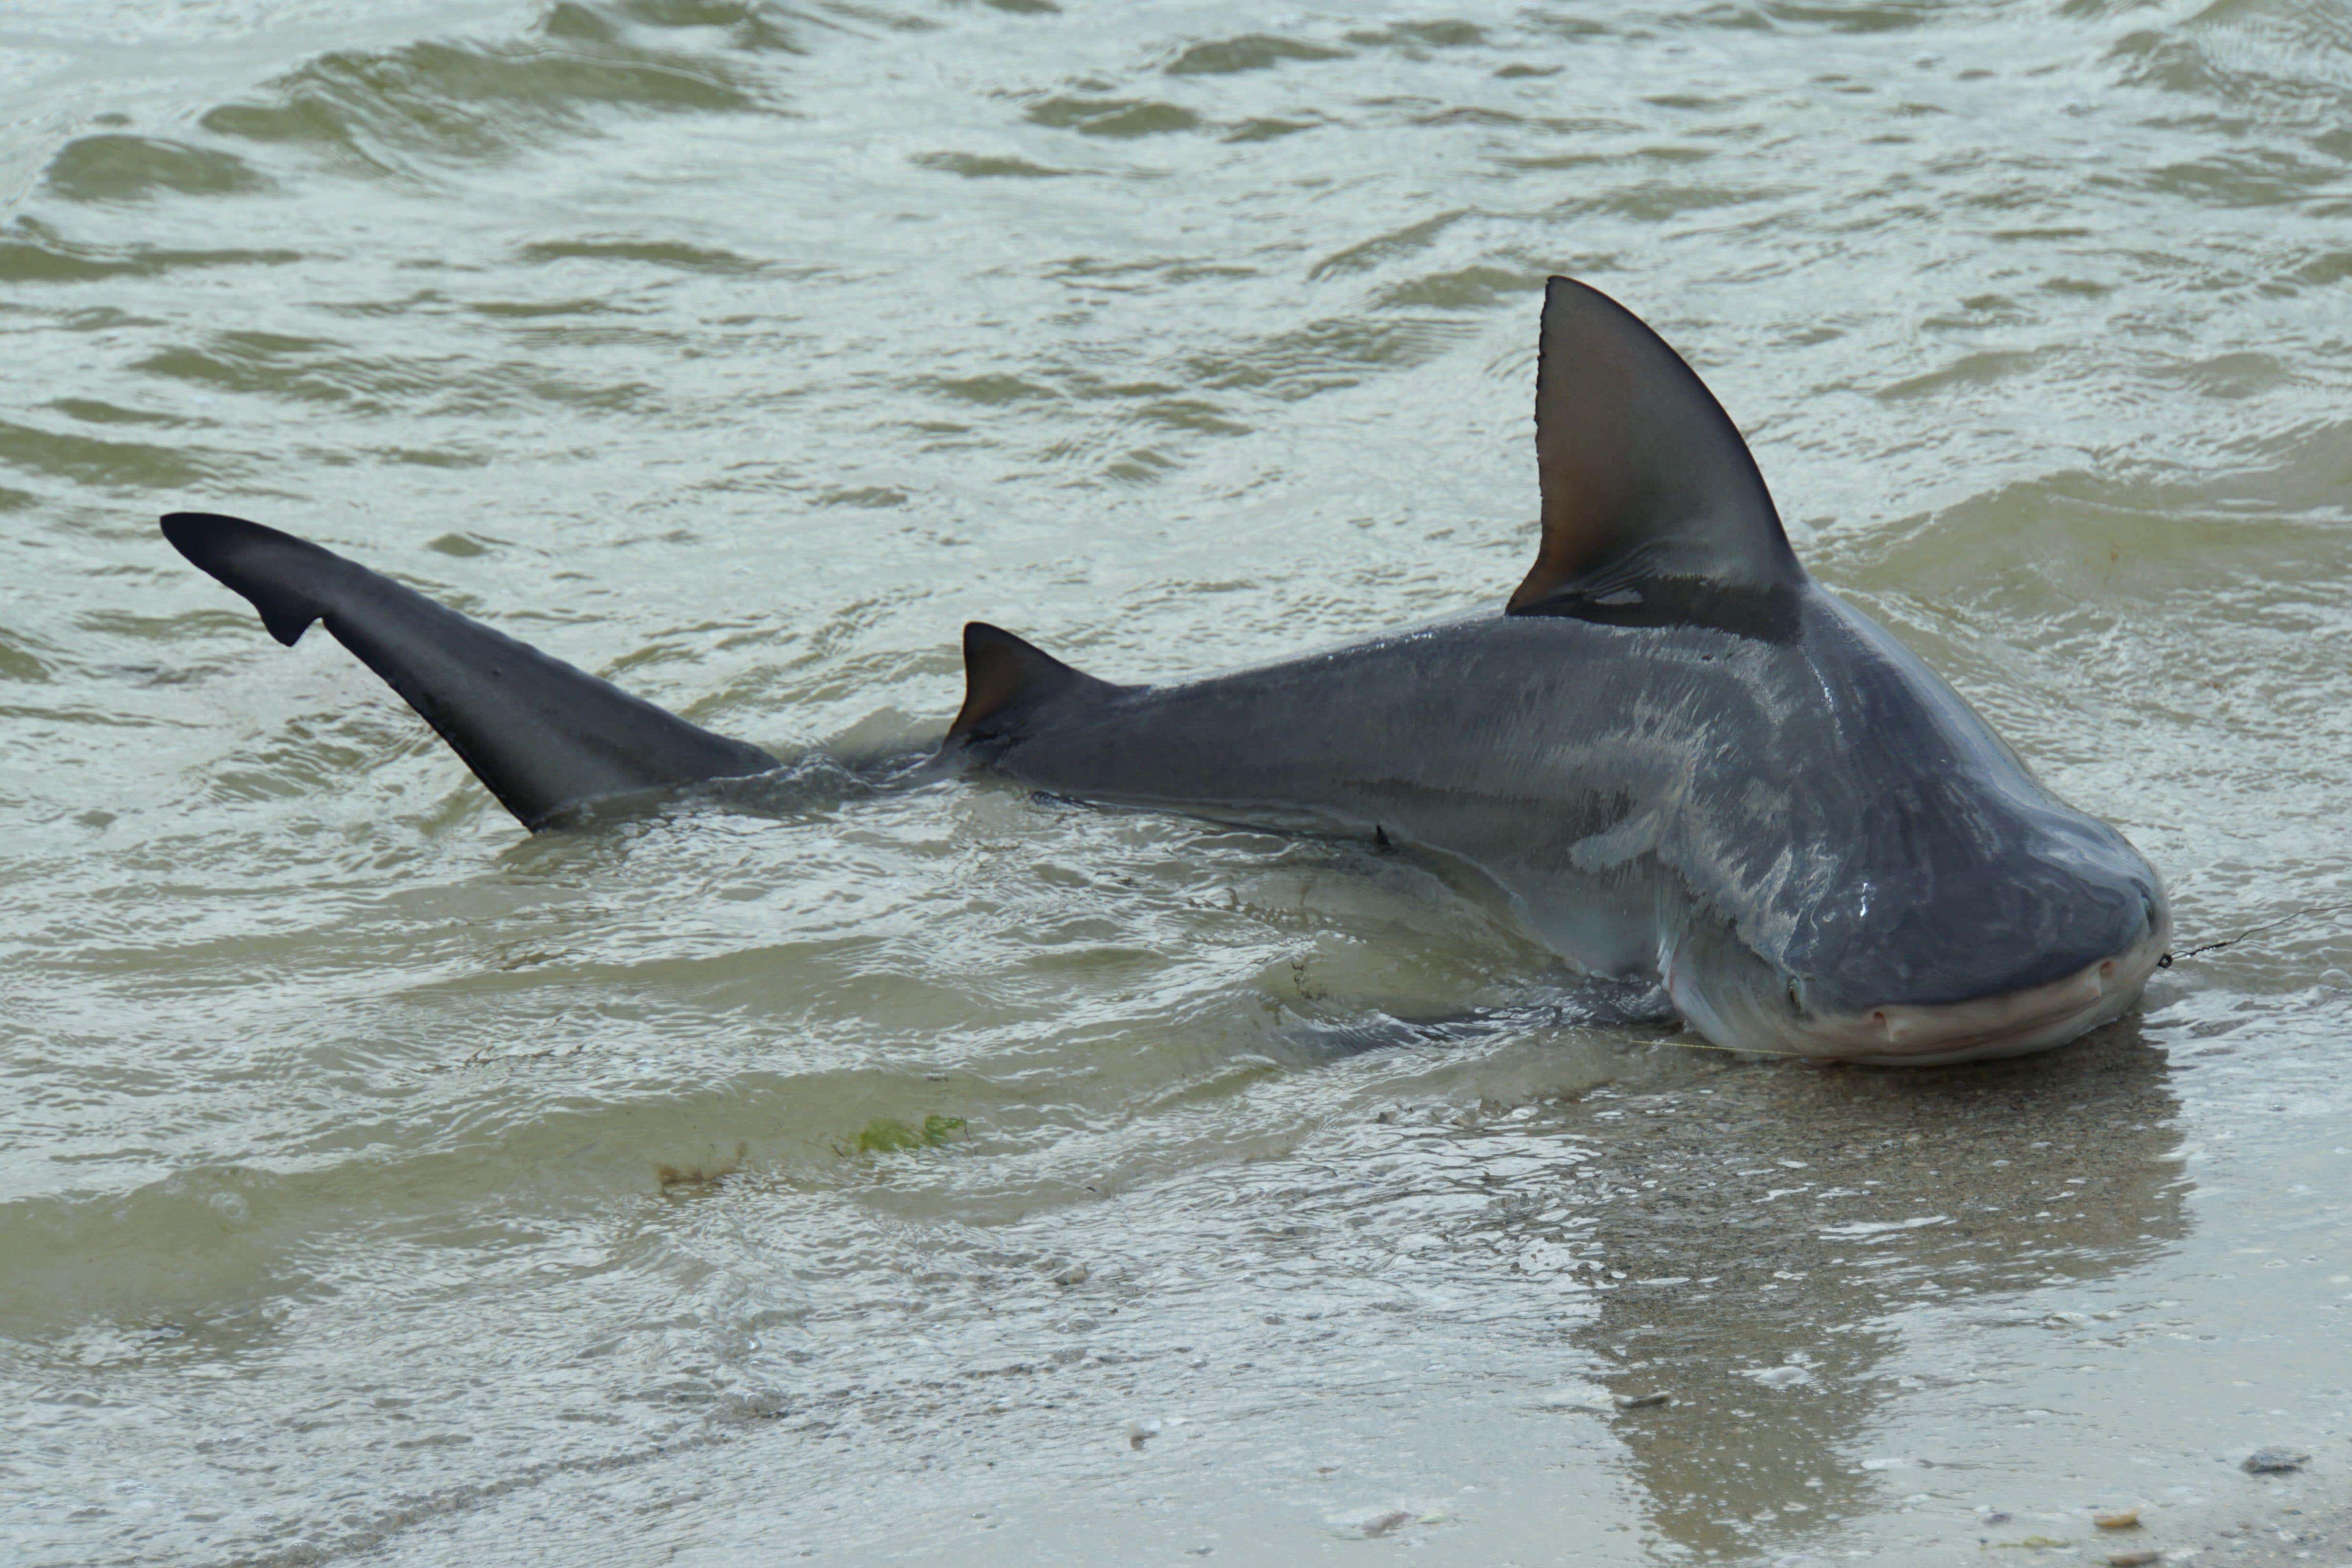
[2031,1020]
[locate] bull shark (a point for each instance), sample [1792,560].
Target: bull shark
[1686,764]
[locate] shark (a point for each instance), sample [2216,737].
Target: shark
[1686,764]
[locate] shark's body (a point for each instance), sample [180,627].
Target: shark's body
[1648,796]
[1681,757]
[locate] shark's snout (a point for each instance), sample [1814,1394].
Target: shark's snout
[1735,998]
[2011,1024]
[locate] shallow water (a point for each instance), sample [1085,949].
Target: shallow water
[951,1176]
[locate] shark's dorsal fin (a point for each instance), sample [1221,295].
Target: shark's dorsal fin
[1653,509]
[1006,678]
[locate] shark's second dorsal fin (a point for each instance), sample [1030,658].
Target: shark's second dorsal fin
[1652,508]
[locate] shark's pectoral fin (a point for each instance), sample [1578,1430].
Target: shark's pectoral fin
[1007,680]
[541,734]
[1652,508]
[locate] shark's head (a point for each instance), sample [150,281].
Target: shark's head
[1940,904]
[1974,969]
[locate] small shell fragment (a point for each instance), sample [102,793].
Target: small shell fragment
[2120,1518]
[2139,1557]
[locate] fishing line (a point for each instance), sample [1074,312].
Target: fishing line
[2170,959]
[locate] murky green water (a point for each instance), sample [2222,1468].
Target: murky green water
[950,1176]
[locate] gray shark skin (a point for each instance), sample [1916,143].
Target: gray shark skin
[1682,759]
[1790,835]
